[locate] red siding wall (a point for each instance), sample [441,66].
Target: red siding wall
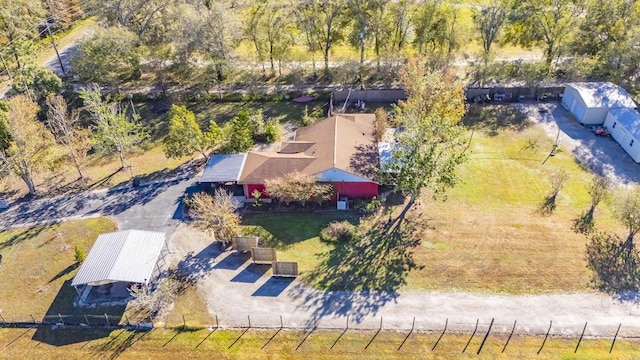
[259,187]
[356,190]
[352,190]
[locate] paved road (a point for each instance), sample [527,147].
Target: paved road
[155,207]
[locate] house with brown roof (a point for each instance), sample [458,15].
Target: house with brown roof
[340,150]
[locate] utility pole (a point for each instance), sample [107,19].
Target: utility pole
[6,68]
[55,47]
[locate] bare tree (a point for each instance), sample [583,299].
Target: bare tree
[489,21]
[558,181]
[599,190]
[627,210]
[215,214]
[64,127]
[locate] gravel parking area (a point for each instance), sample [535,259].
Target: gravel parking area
[600,154]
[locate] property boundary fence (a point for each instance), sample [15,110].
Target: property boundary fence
[477,330]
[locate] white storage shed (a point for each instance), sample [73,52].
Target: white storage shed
[589,102]
[624,125]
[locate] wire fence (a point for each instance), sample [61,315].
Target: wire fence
[478,329]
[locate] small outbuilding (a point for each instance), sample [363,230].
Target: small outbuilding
[624,126]
[116,261]
[589,102]
[224,171]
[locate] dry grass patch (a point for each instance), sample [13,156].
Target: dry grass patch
[262,344]
[190,308]
[488,236]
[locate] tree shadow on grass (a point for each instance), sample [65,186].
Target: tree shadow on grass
[616,266]
[548,206]
[24,235]
[62,310]
[362,275]
[117,345]
[585,223]
[65,271]
[495,118]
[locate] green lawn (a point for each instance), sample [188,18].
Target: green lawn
[294,235]
[194,343]
[38,265]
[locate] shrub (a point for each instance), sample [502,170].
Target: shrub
[272,131]
[80,254]
[338,231]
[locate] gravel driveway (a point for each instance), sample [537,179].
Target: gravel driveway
[234,288]
[602,155]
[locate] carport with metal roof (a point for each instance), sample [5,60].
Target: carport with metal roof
[224,171]
[125,257]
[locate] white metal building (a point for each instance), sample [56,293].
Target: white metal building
[589,102]
[126,257]
[624,125]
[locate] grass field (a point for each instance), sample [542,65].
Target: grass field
[38,265]
[194,343]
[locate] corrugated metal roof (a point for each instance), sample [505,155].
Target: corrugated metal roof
[629,118]
[223,168]
[603,95]
[128,256]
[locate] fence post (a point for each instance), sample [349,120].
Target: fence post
[281,323]
[472,335]
[184,322]
[510,335]
[614,338]
[127,318]
[86,319]
[59,318]
[34,320]
[446,322]
[217,324]
[485,337]
[380,323]
[106,317]
[249,318]
[580,339]
[545,337]
[347,328]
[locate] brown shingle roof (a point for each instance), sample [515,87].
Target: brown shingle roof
[330,143]
[337,139]
[260,166]
[294,147]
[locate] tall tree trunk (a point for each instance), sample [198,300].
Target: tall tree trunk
[326,60]
[30,185]
[75,162]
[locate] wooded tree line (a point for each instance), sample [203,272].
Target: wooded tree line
[195,39]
